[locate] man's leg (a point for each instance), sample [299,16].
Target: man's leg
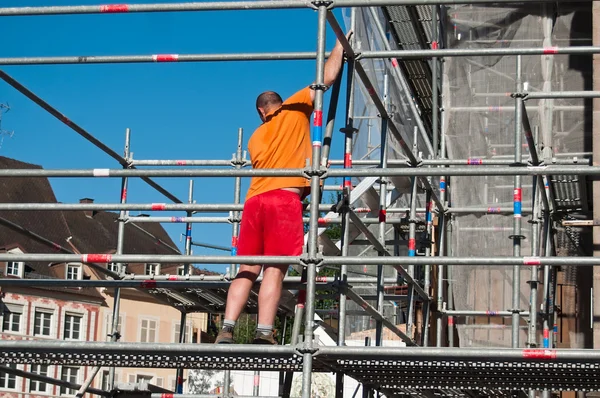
[250,244]
[270,293]
[239,291]
[283,236]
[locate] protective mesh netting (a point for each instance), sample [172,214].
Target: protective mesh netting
[479,122]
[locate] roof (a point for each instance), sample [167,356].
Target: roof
[50,225]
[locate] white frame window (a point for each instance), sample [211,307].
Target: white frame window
[70,374]
[73,326]
[39,386]
[108,325]
[181,271]
[152,269]
[12,318]
[43,320]
[8,381]
[73,271]
[106,377]
[112,267]
[148,330]
[15,268]
[188,332]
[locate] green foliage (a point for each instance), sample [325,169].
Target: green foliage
[245,329]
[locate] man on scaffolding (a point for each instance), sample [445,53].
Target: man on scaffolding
[272,218]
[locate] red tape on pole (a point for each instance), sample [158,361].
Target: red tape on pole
[158,206]
[96,258]
[114,8]
[165,57]
[539,354]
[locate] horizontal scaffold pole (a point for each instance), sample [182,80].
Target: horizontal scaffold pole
[290,56]
[419,260]
[227,5]
[174,282]
[366,172]
[474,161]
[21,351]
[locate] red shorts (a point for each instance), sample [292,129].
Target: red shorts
[272,225]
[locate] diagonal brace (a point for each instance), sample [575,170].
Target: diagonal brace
[381,249]
[378,316]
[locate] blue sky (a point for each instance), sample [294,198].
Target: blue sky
[175,111]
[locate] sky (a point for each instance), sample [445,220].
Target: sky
[174,110]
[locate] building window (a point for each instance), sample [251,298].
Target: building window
[106,379]
[160,382]
[114,267]
[8,381]
[15,268]
[152,269]
[181,271]
[73,271]
[70,374]
[42,322]
[148,331]
[108,318]
[11,318]
[72,329]
[38,386]
[188,332]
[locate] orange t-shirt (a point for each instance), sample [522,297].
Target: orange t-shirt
[282,142]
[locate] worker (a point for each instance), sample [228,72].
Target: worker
[272,218]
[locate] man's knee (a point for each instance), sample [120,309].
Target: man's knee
[275,271]
[250,272]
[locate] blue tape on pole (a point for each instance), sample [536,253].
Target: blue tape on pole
[234,251]
[517,208]
[442,185]
[546,343]
[411,253]
[317,135]
[429,218]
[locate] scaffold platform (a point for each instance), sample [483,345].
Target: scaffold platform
[393,369]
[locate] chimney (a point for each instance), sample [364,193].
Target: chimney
[88,213]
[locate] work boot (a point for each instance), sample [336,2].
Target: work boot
[225,336]
[262,338]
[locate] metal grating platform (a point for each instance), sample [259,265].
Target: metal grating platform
[473,375]
[391,369]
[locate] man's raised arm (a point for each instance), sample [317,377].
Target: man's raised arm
[333,66]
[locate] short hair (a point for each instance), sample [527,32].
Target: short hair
[268,99]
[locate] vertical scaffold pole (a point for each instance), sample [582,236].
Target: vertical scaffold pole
[235,230]
[427,286]
[533,283]
[115,334]
[186,267]
[237,189]
[517,199]
[317,137]
[383,149]
[434,79]
[412,246]
[348,131]
[441,239]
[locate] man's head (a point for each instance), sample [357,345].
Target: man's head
[266,103]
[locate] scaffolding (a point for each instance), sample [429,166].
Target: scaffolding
[409,168]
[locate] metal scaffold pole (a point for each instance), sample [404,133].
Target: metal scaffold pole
[317,141]
[179,380]
[382,214]
[517,197]
[116,324]
[348,131]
